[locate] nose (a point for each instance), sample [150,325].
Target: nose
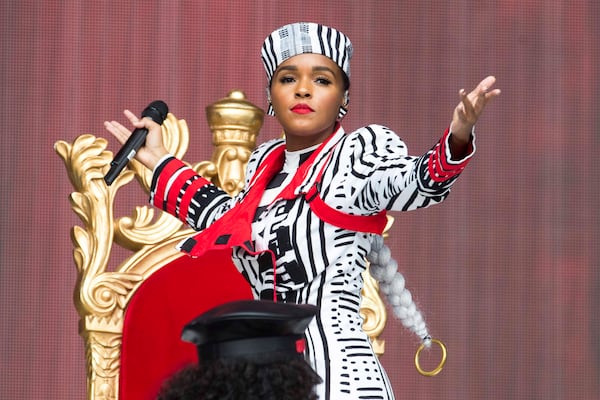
[303,89]
[302,93]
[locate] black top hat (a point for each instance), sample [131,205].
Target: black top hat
[254,330]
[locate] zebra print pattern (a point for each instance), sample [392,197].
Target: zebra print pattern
[320,264]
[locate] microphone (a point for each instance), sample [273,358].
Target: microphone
[157,111]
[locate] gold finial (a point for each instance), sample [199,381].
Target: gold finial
[235,124]
[234,120]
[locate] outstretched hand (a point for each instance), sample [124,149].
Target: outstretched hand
[471,105]
[153,150]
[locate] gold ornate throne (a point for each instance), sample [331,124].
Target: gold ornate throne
[105,297]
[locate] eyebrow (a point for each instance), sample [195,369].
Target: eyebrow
[315,69]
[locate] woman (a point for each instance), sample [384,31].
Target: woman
[314,203]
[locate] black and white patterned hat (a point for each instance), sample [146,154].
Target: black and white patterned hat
[305,37]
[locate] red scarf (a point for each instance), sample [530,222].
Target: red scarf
[234,228]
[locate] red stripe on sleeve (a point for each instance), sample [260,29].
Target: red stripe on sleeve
[168,170]
[175,190]
[446,166]
[438,166]
[189,195]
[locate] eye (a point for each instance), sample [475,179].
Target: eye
[286,79]
[323,81]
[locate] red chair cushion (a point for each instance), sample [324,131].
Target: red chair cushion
[151,348]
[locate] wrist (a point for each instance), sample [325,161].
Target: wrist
[459,144]
[152,159]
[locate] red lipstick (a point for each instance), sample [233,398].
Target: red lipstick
[302,109]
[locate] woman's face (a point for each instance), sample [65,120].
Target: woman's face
[307,91]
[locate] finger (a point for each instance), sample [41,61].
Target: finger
[492,93]
[486,87]
[481,95]
[482,92]
[130,115]
[468,109]
[484,96]
[464,96]
[117,130]
[487,82]
[133,118]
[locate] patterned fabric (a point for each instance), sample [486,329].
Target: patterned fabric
[366,171]
[301,38]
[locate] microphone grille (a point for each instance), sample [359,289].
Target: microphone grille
[157,111]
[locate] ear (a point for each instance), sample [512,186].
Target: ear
[270,110]
[346,100]
[344,106]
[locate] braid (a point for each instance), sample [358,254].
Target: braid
[392,283]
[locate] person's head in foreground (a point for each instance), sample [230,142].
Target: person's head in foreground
[247,350]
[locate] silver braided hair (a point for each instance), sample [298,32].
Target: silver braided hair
[392,283]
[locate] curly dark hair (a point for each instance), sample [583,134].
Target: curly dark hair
[292,379]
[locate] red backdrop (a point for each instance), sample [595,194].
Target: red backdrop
[506,270]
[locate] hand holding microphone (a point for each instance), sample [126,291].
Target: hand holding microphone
[152,117]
